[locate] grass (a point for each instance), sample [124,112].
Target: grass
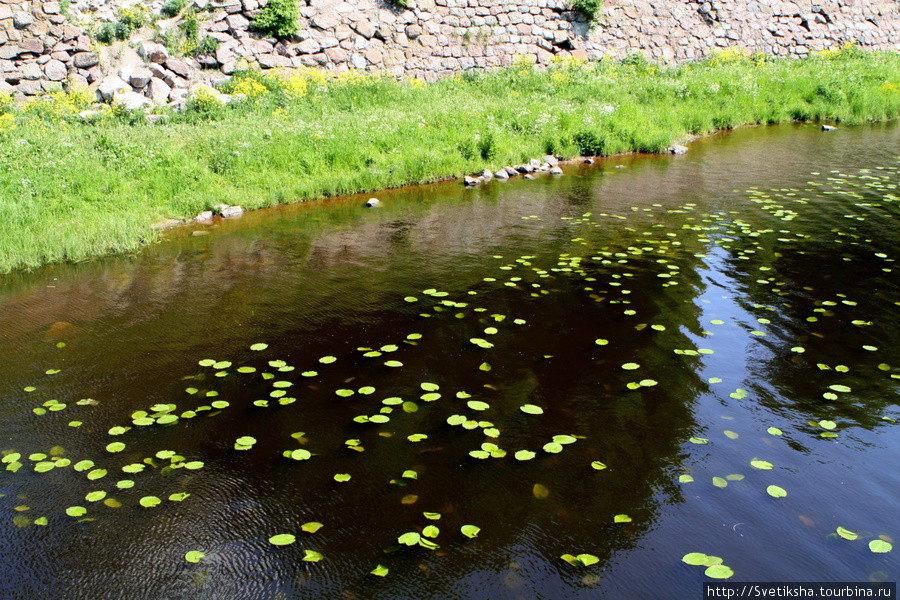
[71,190]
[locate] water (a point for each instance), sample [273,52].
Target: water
[781,224]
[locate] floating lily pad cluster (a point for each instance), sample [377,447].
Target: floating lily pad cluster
[605,273]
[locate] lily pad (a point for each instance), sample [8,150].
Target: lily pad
[880,546]
[470,531]
[282,539]
[847,534]
[531,409]
[776,491]
[311,527]
[719,572]
[259,347]
[379,571]
[194,556]
[150,501]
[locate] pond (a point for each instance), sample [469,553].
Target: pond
[554,388]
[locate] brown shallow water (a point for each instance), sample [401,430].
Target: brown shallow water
[785,225]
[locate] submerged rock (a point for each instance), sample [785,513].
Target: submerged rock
[828,128]
[677,149]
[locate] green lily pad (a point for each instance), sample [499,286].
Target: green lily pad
[880,546]
[76,511]
[282,539]
[531,409]
[379,571]
[150,501]
[259,347]
[622,519]
[597,465]
[312,556]
[694,558]
[311,527]
[776,492]
[719,572]
[470,531]
[410,538]
[847,534]
[194,556]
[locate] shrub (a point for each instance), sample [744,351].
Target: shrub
[134,17]
[589,143]
[487,146]
[106,34]
[207,45]
[205,104]
[173,7]
[589,8]
[278,18]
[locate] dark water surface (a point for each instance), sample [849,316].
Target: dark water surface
[763,258]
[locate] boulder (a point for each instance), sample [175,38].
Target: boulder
[31,71]
[828,128]
[365,29]
[556,171]
[528,168]
[206,215]
[55,70]
[33,46]
[373,202]
[231,211]
[22,19]
[110,86]
[153,52]
[589,161]
[85,60]
[140,77]
[179,67]
[550,160]
[158,90]
[471,181]
[501,175]
[487,175]
[677,149]
[328,19]
[131,100]
[510,171]
[534,163]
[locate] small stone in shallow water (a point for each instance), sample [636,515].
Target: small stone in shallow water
[373,202]
[556,171]
[677,149]
[589,161]
[232,211]
[828,128]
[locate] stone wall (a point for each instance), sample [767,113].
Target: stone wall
[40,50]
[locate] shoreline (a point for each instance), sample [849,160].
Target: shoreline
[74,190]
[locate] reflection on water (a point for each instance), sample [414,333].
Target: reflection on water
[666,312]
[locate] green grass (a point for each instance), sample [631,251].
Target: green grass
[71,190]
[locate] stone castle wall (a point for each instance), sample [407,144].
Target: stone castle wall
[40,50]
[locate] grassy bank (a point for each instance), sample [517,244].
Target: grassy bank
[71,190]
